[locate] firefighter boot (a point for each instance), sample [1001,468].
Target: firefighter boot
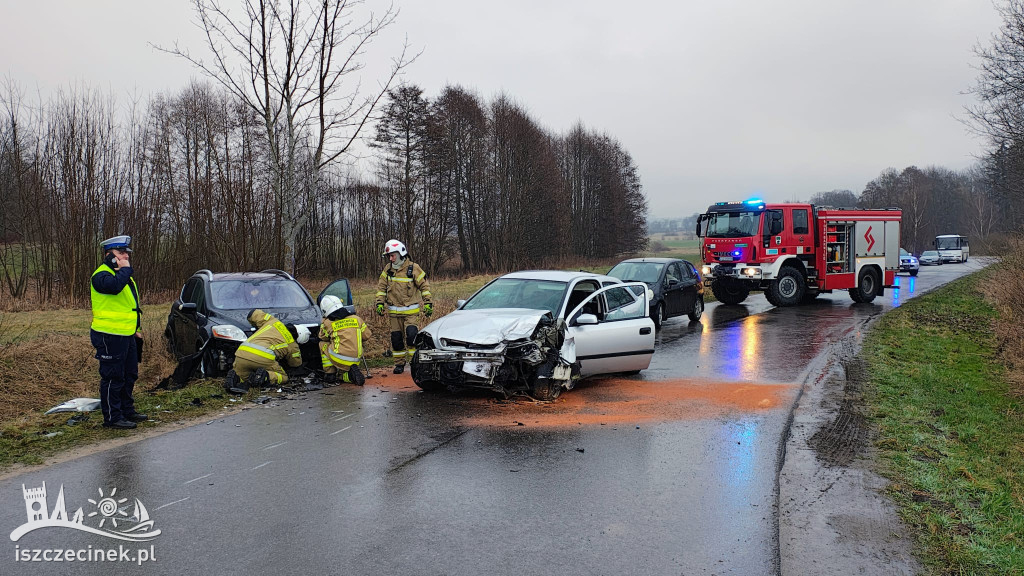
[259,378]
[399,368]
[233,384]
[355,376]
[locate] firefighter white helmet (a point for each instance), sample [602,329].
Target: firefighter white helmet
[301,334]
[395,246]
[330,304]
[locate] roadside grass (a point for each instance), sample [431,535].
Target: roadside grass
[950,429]
[32,438]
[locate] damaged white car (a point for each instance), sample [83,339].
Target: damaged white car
[537,332]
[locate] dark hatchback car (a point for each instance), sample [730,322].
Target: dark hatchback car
[208,320]
[676,284]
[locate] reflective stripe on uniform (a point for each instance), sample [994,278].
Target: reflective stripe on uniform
[421,276]
[425,293]
[342,358]
[257,350]
[404,309]
[397,279]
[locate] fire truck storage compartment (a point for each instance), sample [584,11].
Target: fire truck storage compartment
[838,255]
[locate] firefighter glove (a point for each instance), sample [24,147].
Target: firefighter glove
[380,309]
[428,308]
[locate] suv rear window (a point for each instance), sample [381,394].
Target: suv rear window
[248,294]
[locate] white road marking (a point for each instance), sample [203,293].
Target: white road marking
[261,465]
[170,503]
[274,445]
[342,417]
[340,431]
[200,478]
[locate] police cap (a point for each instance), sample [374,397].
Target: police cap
[122,242]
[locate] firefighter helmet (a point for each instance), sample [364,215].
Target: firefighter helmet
[329,305]
[395,246]
[301,334]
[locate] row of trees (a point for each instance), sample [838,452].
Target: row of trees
[933,200]
[485,184]
[467,184]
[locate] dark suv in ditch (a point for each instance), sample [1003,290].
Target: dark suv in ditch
[208,320]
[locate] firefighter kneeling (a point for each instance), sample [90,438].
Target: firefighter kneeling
[341,341]
[256,361]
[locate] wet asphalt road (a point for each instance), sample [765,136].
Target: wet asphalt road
[670,472]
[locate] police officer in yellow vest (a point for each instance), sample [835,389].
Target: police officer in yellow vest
[341,341]
[401,286]
[256,360]
[116,332]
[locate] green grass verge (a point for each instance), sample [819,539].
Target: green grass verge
[32,439]
[950,431]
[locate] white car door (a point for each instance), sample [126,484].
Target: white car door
[612,330]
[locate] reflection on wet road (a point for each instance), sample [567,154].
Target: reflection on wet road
[669,472]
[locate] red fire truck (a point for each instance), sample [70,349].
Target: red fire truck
[793,252]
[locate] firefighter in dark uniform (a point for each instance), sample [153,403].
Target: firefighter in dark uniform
[402,285]
[116,333]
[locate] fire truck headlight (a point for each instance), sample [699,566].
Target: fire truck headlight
[751,272]
[705,270]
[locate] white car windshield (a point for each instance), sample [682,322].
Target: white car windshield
[519,293]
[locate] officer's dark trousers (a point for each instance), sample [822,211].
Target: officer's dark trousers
[119,369]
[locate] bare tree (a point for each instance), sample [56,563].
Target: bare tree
[292,62]
[835,199]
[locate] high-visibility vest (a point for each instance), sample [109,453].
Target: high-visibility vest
[114,314]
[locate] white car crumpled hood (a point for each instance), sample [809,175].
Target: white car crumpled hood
[493,326]
[486,327]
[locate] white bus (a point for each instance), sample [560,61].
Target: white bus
[952,248]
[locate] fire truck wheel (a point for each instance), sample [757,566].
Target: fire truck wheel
[729,292]
[788,288]
[867,286]
[771,299]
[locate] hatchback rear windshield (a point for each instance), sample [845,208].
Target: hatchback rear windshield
[266,294]
[648,272]
[519,293]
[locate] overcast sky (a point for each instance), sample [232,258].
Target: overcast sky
[715,100]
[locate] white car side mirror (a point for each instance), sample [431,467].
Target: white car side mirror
[585,319]
[459,303]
